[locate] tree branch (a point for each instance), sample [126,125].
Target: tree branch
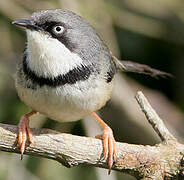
[164,160]
[153,118]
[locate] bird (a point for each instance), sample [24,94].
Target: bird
[67,73]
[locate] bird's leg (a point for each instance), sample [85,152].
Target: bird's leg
[24,132]
[108,141]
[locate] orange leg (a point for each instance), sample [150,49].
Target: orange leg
[108,141]
[24,132]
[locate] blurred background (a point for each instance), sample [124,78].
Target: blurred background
[149,32]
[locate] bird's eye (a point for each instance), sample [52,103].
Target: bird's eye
[57,30]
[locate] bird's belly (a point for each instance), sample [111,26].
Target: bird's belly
[66,103]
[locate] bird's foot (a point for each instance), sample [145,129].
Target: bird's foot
[109,146]
[24,132]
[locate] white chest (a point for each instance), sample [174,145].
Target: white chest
[48,57]
[67,103]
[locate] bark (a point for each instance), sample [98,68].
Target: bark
[161,161]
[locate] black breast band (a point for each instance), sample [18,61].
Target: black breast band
[79,73]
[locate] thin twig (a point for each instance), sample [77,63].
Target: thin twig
[153,118]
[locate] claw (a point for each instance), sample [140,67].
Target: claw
[21,157]
[109,147]
[24,132]
[108,141]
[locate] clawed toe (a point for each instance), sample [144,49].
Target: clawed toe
[108,141]
[109,147]
[24,132]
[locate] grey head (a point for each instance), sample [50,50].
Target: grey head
[75,34]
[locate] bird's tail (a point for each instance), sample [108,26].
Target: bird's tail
[129,66]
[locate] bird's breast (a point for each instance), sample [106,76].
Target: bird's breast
[69,102]
[48,57]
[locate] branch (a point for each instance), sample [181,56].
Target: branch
[153,118]
[148,162]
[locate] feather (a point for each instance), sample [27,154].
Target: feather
[129,66]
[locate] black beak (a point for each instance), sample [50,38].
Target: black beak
[25,23]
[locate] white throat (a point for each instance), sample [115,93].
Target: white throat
[48,57]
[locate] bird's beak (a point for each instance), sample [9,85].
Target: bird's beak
[25,23]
